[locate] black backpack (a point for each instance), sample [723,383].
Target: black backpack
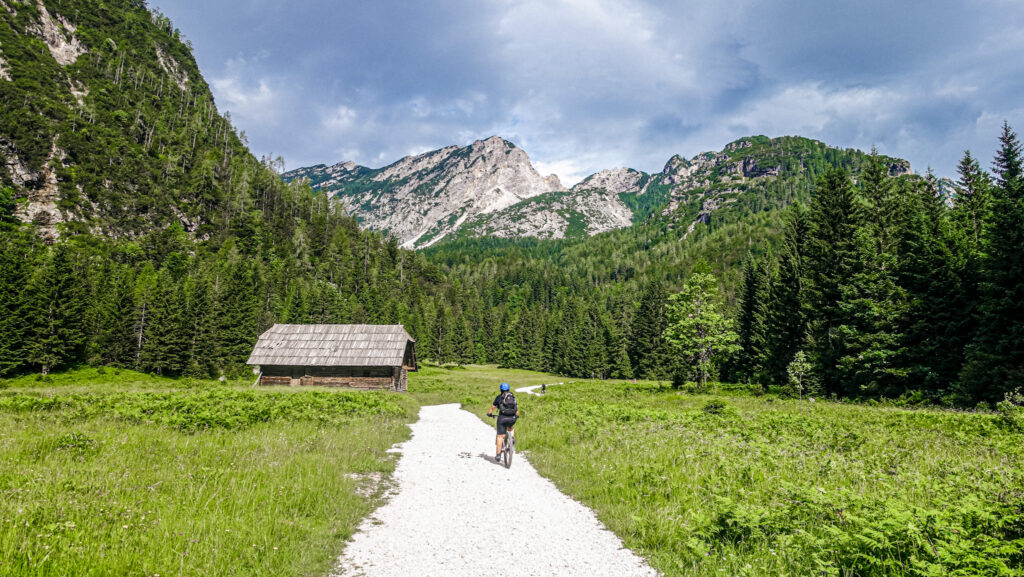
[508,406]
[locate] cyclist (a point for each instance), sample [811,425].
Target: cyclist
[508,413]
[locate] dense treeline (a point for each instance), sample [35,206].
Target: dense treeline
[169,305]
[891,291]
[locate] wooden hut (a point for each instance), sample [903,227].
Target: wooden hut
[352,356]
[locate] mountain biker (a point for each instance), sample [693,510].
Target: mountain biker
[508,414]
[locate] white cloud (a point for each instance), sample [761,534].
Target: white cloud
[249,98]
[341,119]
[569,172]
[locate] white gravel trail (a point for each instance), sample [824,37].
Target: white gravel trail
[457,512]
[531,390]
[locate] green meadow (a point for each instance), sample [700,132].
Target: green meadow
[120,473]
[147,476]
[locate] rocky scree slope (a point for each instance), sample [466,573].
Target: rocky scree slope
[592,206]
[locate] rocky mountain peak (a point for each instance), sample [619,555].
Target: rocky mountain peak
[617,180]
[423,198]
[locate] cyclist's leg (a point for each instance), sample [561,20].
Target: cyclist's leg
[500,436]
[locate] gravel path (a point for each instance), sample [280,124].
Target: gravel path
[457,512]
[530,390]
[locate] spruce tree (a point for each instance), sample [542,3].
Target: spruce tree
[934,270]
[971,204]
[995,362]
[871,302]
[166,347]
[17,259]
[832,254]
[648,347]
[788,315]
[237,312]
[55,310]
[112,340]
[869,307]
[753,323]
[202,359]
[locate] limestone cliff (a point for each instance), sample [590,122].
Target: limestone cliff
[421,199]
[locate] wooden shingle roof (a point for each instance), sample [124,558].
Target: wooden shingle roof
[332,346]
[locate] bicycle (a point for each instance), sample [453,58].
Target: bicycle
[508,448]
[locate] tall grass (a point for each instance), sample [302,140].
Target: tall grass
[712,485]
[216,481]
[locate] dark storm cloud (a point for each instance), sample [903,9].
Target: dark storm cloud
[584,85]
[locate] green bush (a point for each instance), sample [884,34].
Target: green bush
[1011,409]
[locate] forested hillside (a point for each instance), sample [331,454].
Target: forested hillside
[885,284]
[137,229]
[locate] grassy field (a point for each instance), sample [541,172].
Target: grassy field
[117,473]
[126,474]
[743,485]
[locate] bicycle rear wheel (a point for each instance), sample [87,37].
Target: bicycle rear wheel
[508,450]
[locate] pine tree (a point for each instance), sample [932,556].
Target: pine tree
[995,362]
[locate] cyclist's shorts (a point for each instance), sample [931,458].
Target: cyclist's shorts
[504,422]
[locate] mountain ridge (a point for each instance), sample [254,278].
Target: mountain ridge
[430,195]
[410,198]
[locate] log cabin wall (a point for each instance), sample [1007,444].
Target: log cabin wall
[363,378]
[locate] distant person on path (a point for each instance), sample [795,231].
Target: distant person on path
[544,388]
[508,414]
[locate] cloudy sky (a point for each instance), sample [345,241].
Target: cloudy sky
[583,85]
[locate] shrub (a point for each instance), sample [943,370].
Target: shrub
[1011,409]
[716,407]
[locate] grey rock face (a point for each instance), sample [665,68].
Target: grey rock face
[619,180]
[421,199]
[59,35]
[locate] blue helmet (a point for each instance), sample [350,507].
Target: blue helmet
[504,386]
